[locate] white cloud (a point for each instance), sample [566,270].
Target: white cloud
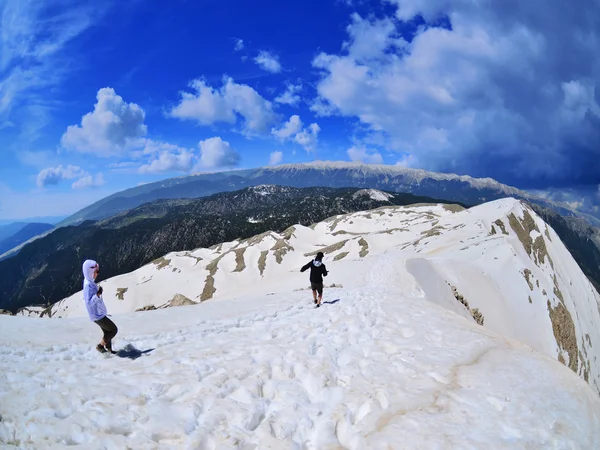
[110,129]
[407,161]
[290,96]
[32,57]
[292,130]
[170,159]
[208,106]
[499,91]
[307,138]
[216,152]
[289,129]
[268,62]
[239,45]
[365,155]
[275,158]
[53,175]
[89,181]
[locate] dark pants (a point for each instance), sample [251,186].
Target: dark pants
[110,330]
[317,287]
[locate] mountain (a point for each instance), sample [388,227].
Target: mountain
[49,268]
[10,229]
[23,234]
[463,189]
[582,240]
[498,264]
[446,328]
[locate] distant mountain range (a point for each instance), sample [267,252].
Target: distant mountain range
[463,189]
[15,234]
[49,269]
[582,237]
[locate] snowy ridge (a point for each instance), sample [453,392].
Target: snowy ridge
[394,359]
[374,194]
[500,257]
[411,175]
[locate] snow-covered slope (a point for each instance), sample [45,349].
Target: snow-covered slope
[393,359]
[497,263]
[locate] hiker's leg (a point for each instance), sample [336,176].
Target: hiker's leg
[320,291]
[110,330]
[109,333]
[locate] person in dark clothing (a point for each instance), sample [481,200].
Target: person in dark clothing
[317,272]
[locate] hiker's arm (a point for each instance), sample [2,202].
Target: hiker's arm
[324,271]
[305,267]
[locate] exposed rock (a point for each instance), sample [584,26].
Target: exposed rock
[146,308]
[180,300]
[329,249]
[161,262]
[564,333]
[280,249]
[341,255]
[239,260]
[364,250]
[262,261]
[527,274]
[475,313]
[453,207]
[121,293]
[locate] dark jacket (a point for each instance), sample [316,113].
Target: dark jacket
[317,271]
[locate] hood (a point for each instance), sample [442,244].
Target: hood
[316,263]
[88,269]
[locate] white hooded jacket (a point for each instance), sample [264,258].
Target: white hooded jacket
[94,303]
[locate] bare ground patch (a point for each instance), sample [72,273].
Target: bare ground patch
[289,233]
[262,261]
[523,228]
[280,249]
[257,239]
[434,231]
[475,313]
[197,258]
[540,252]
[329,249]
[240,264]
[364,247]
[527,275]
[564,333]
[121,293]
[161,262]
[340,256]
[500,225]
[547,233]
[454,208]
[209,284]
[180,300]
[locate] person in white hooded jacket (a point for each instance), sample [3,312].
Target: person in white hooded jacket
[92,295]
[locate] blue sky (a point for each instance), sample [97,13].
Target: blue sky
[96,99]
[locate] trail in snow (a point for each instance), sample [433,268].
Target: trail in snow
[373,368]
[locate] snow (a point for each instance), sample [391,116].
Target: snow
[374,194]
[391,360]
[411,175]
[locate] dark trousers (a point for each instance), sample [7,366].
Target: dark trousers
[110,330]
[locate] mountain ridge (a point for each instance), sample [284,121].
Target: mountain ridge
[318,173]
[48,269]
[497,264]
